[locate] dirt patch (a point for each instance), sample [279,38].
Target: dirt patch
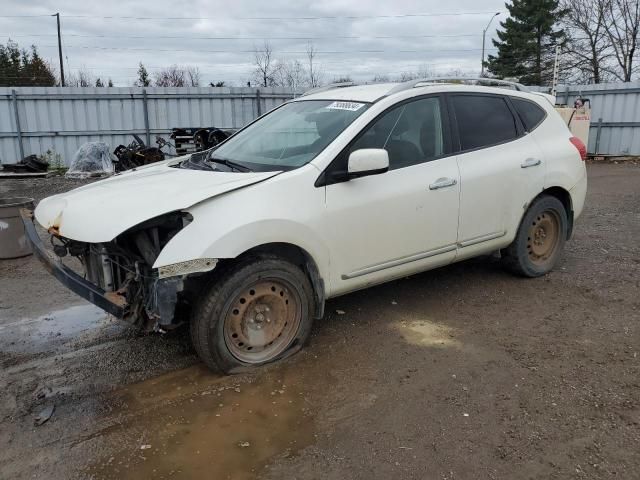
[462,372]
[39,188]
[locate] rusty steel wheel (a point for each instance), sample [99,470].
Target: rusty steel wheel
[543,237]
[257,311]
[262,321]
[540,238]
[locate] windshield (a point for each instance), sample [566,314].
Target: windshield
[290,136]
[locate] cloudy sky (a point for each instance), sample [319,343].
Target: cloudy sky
[357,38]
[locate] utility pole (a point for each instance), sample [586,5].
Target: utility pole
[57,15]
[484,33]
[556,70]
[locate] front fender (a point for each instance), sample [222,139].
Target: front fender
[285,209]
[197,241]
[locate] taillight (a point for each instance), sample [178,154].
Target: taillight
[582,148]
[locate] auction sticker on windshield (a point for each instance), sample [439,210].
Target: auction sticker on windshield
[351,106]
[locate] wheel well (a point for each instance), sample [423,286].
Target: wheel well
[564,197]
[297,256]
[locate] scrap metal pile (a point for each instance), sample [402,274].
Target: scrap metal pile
[191,140]
[29,164]
[94,159]
[137,154]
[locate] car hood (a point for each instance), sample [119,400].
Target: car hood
[101,211]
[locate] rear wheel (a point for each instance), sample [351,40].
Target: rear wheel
[257,313]
[540,238]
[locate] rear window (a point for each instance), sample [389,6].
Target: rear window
[483,120]
[530,113]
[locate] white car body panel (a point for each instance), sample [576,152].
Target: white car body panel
[359,232]
[578,196]
[496,191]
[382,226]
[231,224]
[100,211]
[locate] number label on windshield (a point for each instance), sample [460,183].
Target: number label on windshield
[351,106]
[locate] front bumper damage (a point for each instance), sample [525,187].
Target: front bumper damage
[110,302]
[120,280]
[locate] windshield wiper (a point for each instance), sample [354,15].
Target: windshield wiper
[223,161]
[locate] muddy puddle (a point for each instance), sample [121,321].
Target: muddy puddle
[41,334]
[193,423]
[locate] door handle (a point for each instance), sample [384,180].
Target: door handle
[443,183]
[530,162]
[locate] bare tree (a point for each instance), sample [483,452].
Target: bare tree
[193,76]
[172,76]
[81,78]
[406,76]
[265,65]
[314,71]
[587,50]
[380,78]
[290,74]
[425,71]
[622,25]
[454,72]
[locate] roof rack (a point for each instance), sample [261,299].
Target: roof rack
[418,82]
[331,86]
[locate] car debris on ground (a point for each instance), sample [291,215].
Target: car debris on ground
[29,167]
[44,415]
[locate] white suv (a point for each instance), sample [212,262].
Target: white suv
[329,193]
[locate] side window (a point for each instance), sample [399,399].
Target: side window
[483,120]
[411,133]
[530,113]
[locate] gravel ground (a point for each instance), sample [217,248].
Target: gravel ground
[463,372]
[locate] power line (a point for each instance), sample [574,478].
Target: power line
[332,52]
[328,17]
[186,37]
[328,37]
[24,16]
[373,61]
[211,67]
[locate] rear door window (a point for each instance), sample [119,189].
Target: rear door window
[530,113]
[483,120]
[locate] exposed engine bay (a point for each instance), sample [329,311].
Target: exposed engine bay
[123,269]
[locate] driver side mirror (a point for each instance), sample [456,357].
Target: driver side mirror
[367,161]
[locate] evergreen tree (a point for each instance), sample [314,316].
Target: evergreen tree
[21,68]
[110,83]
[143,77]
[526,49]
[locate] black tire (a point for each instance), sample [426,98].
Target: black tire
[528,255]
[258,283]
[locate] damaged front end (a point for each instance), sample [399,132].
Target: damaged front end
[119,276]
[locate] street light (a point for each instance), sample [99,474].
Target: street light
[484,33]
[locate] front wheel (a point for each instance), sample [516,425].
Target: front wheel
[540,238]
[257,313]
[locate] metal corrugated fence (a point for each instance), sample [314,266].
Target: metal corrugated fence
[62,119]
[615,115]
[36,119]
